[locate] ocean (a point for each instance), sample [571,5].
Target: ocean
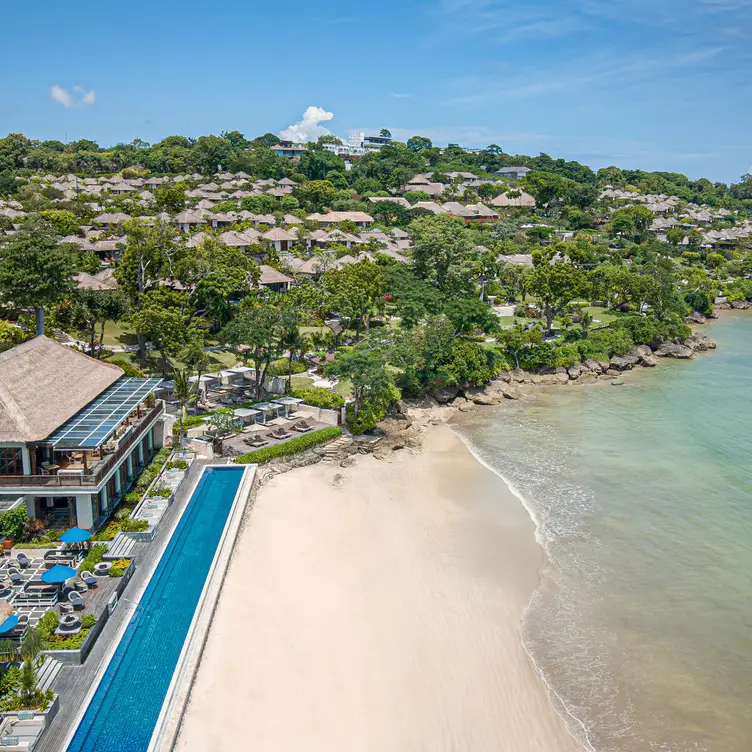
[642,499]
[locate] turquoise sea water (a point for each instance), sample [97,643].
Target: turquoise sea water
[642,498]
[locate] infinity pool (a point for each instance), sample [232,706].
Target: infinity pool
[124,710]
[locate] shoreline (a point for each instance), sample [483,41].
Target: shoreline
[559,706]
[424,580]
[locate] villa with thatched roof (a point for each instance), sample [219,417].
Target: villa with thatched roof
[74,431]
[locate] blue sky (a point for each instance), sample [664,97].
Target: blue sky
[655,84]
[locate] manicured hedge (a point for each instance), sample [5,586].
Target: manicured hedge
[288,448]
[317,397]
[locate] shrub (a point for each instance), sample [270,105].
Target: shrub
[96,552]
[280,367]
[645,329]
[291,447]
[165,493]
[608,342]
[133,497]
[177,465]
[317,397]
[12,522]
[107,533]
[366,419]
[32,529]
[190,421]
[128,369]
[48,624]
[118,567]
[130,525]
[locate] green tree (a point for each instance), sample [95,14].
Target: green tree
[151,252]
[354,290]
[261,330]
[162,320]
[516,342]
[170,198]
[35,270]
[317,194]
[443,253]
[418,143]
[469,314]
[92,307]
[185,393]
[675,236]
[65,222]
[194,355]
[366,370]
[211,153]
[555,284]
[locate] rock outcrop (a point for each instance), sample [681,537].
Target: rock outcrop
[700,343]
[673,350]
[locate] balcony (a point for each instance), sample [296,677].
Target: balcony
[98,472]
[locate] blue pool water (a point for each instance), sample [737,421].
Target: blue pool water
[125,708]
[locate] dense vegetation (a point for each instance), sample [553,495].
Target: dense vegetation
[602,274]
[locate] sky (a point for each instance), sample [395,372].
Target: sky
[650,84]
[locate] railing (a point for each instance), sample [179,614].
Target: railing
[94,478]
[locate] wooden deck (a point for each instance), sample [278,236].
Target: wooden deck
[73,683]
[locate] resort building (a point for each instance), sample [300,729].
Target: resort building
[74,432]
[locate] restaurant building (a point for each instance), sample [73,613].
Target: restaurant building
[74,432]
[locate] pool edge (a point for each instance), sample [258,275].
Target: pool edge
[136,596]
[178,693]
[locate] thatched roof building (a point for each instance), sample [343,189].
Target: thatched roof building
[43,384]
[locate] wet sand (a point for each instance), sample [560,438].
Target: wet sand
[374,608]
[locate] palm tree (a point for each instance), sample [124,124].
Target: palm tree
[30,653]
[194,356]
[184,393]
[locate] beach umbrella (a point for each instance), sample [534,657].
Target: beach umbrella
[10,623]
[75,535]
[58,574]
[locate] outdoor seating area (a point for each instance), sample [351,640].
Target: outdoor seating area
[31,585]
[276,430]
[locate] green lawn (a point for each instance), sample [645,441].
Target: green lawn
[344,387]
[301,382]
[118,334]
[217,361]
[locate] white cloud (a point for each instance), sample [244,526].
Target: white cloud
[401,96]
[76,98]
[309,128]
[61,96]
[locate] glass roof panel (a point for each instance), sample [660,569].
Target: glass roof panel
[90,427]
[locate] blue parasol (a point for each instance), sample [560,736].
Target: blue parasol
[10,623]
[58,574]
[75,535]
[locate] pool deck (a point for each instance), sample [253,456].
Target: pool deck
[75,685]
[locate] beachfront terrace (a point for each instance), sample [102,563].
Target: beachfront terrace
[89,445]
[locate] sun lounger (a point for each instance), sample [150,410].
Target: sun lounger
[255,441]
[23,560]
[280,433]
[15,577]
[302,427]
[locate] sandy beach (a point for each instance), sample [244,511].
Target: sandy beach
[374,608]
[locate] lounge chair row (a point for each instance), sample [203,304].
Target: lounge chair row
[281,433]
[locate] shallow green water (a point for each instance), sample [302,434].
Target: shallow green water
[642,496]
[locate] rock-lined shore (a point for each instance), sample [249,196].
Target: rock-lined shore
[509,384]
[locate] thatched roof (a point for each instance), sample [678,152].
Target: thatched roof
[270,276]
[43,384]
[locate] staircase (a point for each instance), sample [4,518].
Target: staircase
[48,673]
[121,546]
[333,449]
